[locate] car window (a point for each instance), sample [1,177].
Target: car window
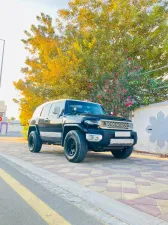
[46,110]
[60,105]
[85,108]
[37,112]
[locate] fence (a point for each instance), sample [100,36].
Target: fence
[10,129]
[151,124]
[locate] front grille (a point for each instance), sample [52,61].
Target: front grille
[116,125]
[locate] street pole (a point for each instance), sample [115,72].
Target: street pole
[2,60]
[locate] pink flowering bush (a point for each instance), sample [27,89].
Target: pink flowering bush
[124,90]
[111,90]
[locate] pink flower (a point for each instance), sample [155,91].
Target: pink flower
[129,97]
[116,75]
[125,91]
[99,96]
[130,71]
[128,104]
[107,85]
[89,86]
[126,50]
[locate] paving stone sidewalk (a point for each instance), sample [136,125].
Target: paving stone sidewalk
[140,181]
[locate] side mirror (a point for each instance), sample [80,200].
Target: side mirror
[109,113]
[56,110]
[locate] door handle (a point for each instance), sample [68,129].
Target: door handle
[47,120]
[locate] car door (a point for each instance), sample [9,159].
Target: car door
[43,122]
[54,125]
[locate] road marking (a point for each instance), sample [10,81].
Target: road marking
[49,215]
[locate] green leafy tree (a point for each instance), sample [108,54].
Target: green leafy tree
[128,89]
[12,118]
[87,43]
[98,31]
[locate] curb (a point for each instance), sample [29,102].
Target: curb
[107,210]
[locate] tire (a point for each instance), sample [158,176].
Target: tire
[34,142]
[75,146]
[122,154]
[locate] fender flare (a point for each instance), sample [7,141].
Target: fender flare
[31,128]
[76,126]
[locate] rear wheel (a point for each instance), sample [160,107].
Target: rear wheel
[123,153]
[34,142]
[75,146]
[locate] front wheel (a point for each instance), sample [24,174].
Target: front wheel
[75,146]
[34,142]
[123,153]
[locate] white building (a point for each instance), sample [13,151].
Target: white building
[151,124]
[3,109]
[14,126]
[3,123]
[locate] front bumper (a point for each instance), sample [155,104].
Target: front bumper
[112,138]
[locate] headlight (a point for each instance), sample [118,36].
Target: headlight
[131,126]
[91,122]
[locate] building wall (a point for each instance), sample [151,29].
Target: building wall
[151,124]
[3,109]
[14,128]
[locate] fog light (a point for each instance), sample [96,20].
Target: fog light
[91,137]
[94,137]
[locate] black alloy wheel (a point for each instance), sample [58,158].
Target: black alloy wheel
[75,146]
[34,142]
[72,147]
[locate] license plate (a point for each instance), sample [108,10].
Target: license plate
[121,141]
[122,134]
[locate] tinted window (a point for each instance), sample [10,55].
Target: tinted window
[46,110]
[60,105]
[85,108]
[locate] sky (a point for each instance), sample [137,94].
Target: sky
[15,17]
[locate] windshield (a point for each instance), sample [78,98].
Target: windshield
[84,108]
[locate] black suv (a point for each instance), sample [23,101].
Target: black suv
[80,126]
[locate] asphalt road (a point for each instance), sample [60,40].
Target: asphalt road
[24,201]
[14,210]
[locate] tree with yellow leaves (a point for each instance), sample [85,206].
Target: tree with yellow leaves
[87,42]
